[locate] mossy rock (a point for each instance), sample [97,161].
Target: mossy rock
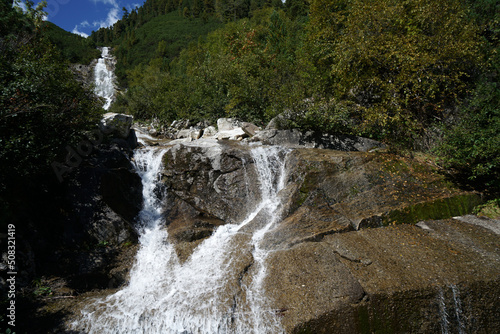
[440,208]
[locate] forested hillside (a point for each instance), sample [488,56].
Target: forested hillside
[73,47]
[417,74]
[42,107]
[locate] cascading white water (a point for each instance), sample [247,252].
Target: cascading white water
[206,293]
[443,313]
[105,77]
[458,308]
[446,316]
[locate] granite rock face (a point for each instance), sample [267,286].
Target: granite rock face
[363,243]
[116,125]
[213,179]
[366,241]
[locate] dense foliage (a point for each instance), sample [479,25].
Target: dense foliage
[73,47]
[42,107]
[417,74]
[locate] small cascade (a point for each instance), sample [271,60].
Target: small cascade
[219,289]
[458,309]
[268,161]
[445,323]
[452,319]
[105,77]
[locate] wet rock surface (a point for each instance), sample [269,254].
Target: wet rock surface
[413,280]
[214,179]
[366,241]
[347,255]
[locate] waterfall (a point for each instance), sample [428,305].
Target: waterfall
[443,313]
[215,290]
[458,308]
[455,319]
[105,77]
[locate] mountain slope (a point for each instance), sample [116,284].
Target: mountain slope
[73,47]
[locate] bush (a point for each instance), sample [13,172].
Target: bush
[42,107]
[471,147]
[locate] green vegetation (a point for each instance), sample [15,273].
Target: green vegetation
[42,107]
[160,40]
[489,209]
[40,289]
[73,47]
[420,75]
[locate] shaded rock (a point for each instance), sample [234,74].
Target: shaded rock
[295,138]
[121,189]
[279,137]
[84,73]
[188,227]
[103,196]
[116,124]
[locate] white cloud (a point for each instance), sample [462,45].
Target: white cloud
[22,6]
[107,2]
[134,6]
[75,31]
[85,24]
[113,16]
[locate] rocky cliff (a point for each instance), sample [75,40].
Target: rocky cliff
[366,242]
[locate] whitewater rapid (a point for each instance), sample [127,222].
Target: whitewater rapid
[206,294]
[105,78]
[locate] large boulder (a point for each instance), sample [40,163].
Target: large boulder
[104,195]
[116,124]
[249,128]
[347,255]
[212,178]
[227,124]
[399,279]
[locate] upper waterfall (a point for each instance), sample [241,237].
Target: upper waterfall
[105,77]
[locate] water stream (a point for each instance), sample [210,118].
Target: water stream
[219,289]
[105,77]
[451,316]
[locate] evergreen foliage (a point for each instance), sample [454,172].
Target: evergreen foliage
[73,47]
[42,107]
[416,74]
[404,72]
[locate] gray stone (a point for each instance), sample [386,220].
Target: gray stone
[295,138]
[234,134]
[209,132]
[227,124]
[184,133]
[196,134]
[116,124]
[249,128]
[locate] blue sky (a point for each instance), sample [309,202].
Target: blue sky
[83,16]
